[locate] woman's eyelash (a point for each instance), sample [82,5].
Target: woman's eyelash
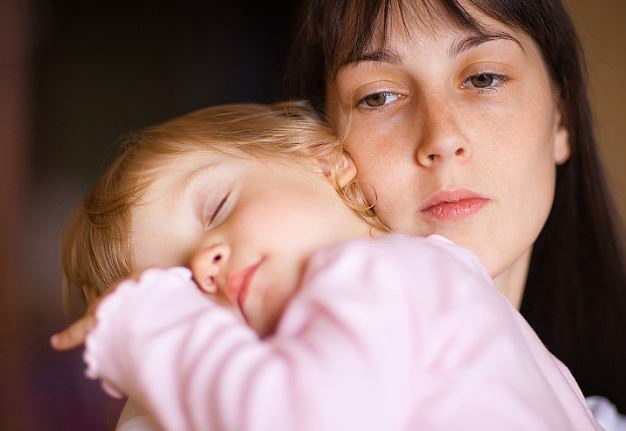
[379,99]
[485,81]
[218,209]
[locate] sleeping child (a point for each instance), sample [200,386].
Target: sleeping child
[260,292]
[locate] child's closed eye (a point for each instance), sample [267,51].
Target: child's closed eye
[212,215]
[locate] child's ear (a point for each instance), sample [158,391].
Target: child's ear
[343,168]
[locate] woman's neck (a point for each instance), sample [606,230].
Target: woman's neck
[511,282]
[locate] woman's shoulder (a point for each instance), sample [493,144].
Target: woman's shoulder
[397,262]
[399,252]
[135,418]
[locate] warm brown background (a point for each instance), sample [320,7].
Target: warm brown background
[75,75]
[601,25]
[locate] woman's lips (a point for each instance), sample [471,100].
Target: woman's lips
[454,205]
[238,283]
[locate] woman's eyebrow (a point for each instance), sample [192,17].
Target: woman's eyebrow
[458,46]
[379,55]
[473,40]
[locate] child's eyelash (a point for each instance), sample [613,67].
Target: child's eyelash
[218,209]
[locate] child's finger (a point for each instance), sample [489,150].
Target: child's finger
[74,335]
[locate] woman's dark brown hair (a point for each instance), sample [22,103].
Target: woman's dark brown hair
[575,296]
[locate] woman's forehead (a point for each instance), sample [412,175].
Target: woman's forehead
[411,23]
[400,48]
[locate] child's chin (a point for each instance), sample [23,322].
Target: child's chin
[263,328]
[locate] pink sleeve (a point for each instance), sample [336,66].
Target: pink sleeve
[397,333]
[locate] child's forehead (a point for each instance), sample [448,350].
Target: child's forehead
[172,174]
[189,161]
[176,170]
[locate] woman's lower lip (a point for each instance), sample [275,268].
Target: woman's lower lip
[455,211]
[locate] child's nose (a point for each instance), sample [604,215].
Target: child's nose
[207,265]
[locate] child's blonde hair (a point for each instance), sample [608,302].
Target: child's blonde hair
[96,249]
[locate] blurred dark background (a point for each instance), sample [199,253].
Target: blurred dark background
[74,77]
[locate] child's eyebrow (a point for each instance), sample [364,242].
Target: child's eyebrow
[195,173]
[189,192]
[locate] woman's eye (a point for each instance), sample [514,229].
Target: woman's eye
[485,81]
[378,100]
[217,210]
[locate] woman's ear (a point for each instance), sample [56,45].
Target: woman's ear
[561,145]
[343,168]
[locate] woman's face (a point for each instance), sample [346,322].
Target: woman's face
[459,135]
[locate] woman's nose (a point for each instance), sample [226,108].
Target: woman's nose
[442,139]
[208,264]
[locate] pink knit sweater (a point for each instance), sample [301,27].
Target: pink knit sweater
[398,333]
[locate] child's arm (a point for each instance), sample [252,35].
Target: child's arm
[365,345]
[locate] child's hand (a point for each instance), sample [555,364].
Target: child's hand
[75,334]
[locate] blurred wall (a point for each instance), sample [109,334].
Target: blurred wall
[601,26]
[14,87]
[76,75]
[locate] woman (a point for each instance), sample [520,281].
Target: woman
[470,119]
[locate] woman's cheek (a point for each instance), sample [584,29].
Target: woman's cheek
[374,138]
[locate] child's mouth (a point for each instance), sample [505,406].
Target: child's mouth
[238,284]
